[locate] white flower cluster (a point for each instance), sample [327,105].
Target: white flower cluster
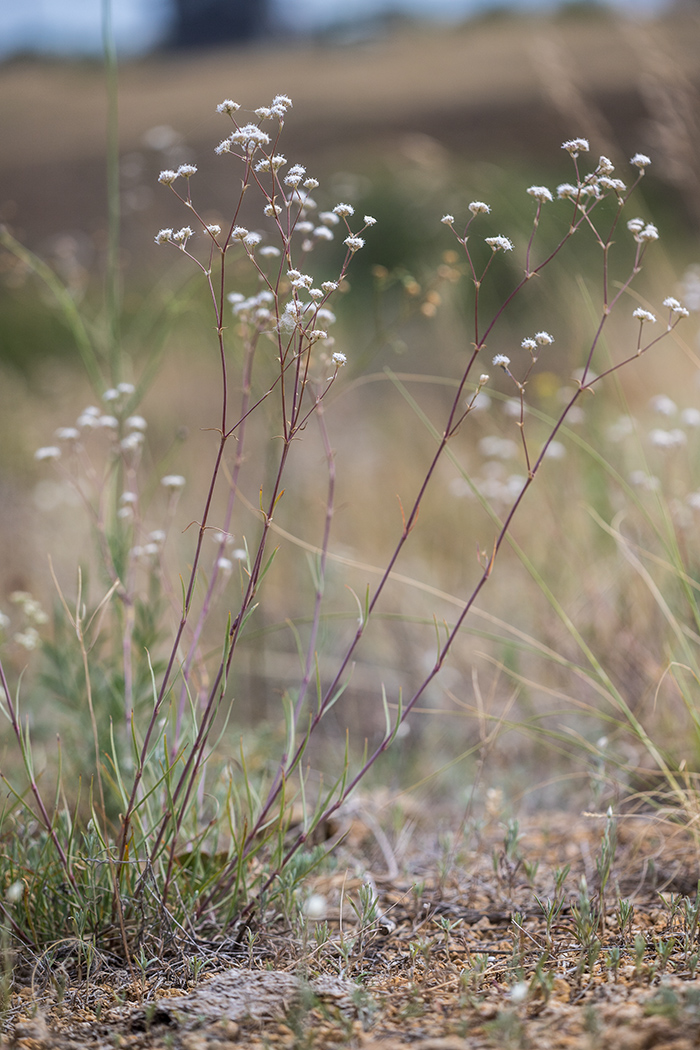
[178,237]
[34,616]
[92,419]
[287,188]
[500,243]
[168,177]
[675,307]
[541,194]
[643,231]
[255,309]
[538,339]
[575,146]
[599,181]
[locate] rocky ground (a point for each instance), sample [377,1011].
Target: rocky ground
[455,955]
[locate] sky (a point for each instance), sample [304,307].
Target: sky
[73,26]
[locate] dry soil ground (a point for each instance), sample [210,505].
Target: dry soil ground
[450,962]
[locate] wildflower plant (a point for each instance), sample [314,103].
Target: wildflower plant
[157,758]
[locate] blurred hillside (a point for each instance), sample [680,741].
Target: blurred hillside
[506,89]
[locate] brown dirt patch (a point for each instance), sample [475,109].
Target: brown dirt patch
[450,962]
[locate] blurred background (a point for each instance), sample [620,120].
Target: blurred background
[407,110]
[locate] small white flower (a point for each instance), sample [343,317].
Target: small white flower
[330,286]
[48,452]
[187,170]
[87,421]
[314,908]
[344,209]
[227,106]
[28,639]
[483,379]
[269,251]
[110,395]
[612,184]
[14,892]
[126,389]
[67,434]
[172,482]
[369,220]
[225,564]
[239,233]
[132,442]
[339,360]
[529,344]
[322,233]
[107,422]
[541,194]
[163,236]
[605,166]
[479,208]
[167,177]
[250,137]
[690,417]
[667,438]
[640,160]
[500,242]
[310,184]
[675,307]
[263,112]
[663,405]
[252,240]
[544,338]
[565,190]
[295,175]
[645,316]
[354,243]
[649,233]
[182,236]
[576,146]
[502,360]
[213,229]
[447,219]
[555,450]
[329,218]
[640,479]
[636,225]
[519,992]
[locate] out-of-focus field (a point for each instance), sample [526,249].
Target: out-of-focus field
[412,123]
[507,89]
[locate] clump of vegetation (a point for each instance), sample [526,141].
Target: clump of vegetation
[178,831]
